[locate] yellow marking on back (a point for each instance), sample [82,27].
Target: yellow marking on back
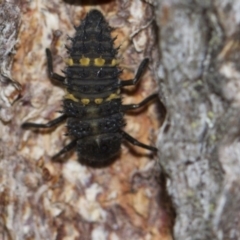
[99,61]
[98,100]
[114,62]
[113,96]
[84,61]
[85,101]
[71,96]
[69,61]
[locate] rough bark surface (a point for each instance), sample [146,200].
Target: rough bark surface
[41,199]
[199,142]
[198,72]
[9,26]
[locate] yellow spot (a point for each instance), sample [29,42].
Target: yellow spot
[99,62]
[69,61]
[84,61]
[85,101]
[71,96]
[113,96]
[114,62]
[98,100]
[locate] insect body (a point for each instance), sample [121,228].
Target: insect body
[92,106]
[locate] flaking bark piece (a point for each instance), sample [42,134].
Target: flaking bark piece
[9,25]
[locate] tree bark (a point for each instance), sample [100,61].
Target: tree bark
[199,142]
[42,199]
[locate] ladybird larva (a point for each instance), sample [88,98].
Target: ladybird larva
[92,106]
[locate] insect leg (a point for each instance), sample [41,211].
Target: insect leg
[136,142]
[45,125]
[138,105]
[67,148]
[52,74]
[142,67]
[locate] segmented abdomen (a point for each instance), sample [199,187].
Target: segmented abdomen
[93,102]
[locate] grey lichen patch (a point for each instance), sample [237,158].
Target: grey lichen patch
[198,116]
[9,25]
[199,143]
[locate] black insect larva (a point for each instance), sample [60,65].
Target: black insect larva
[92,106]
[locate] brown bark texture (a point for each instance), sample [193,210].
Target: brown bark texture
[46,200]
[193,47]
[198,144]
